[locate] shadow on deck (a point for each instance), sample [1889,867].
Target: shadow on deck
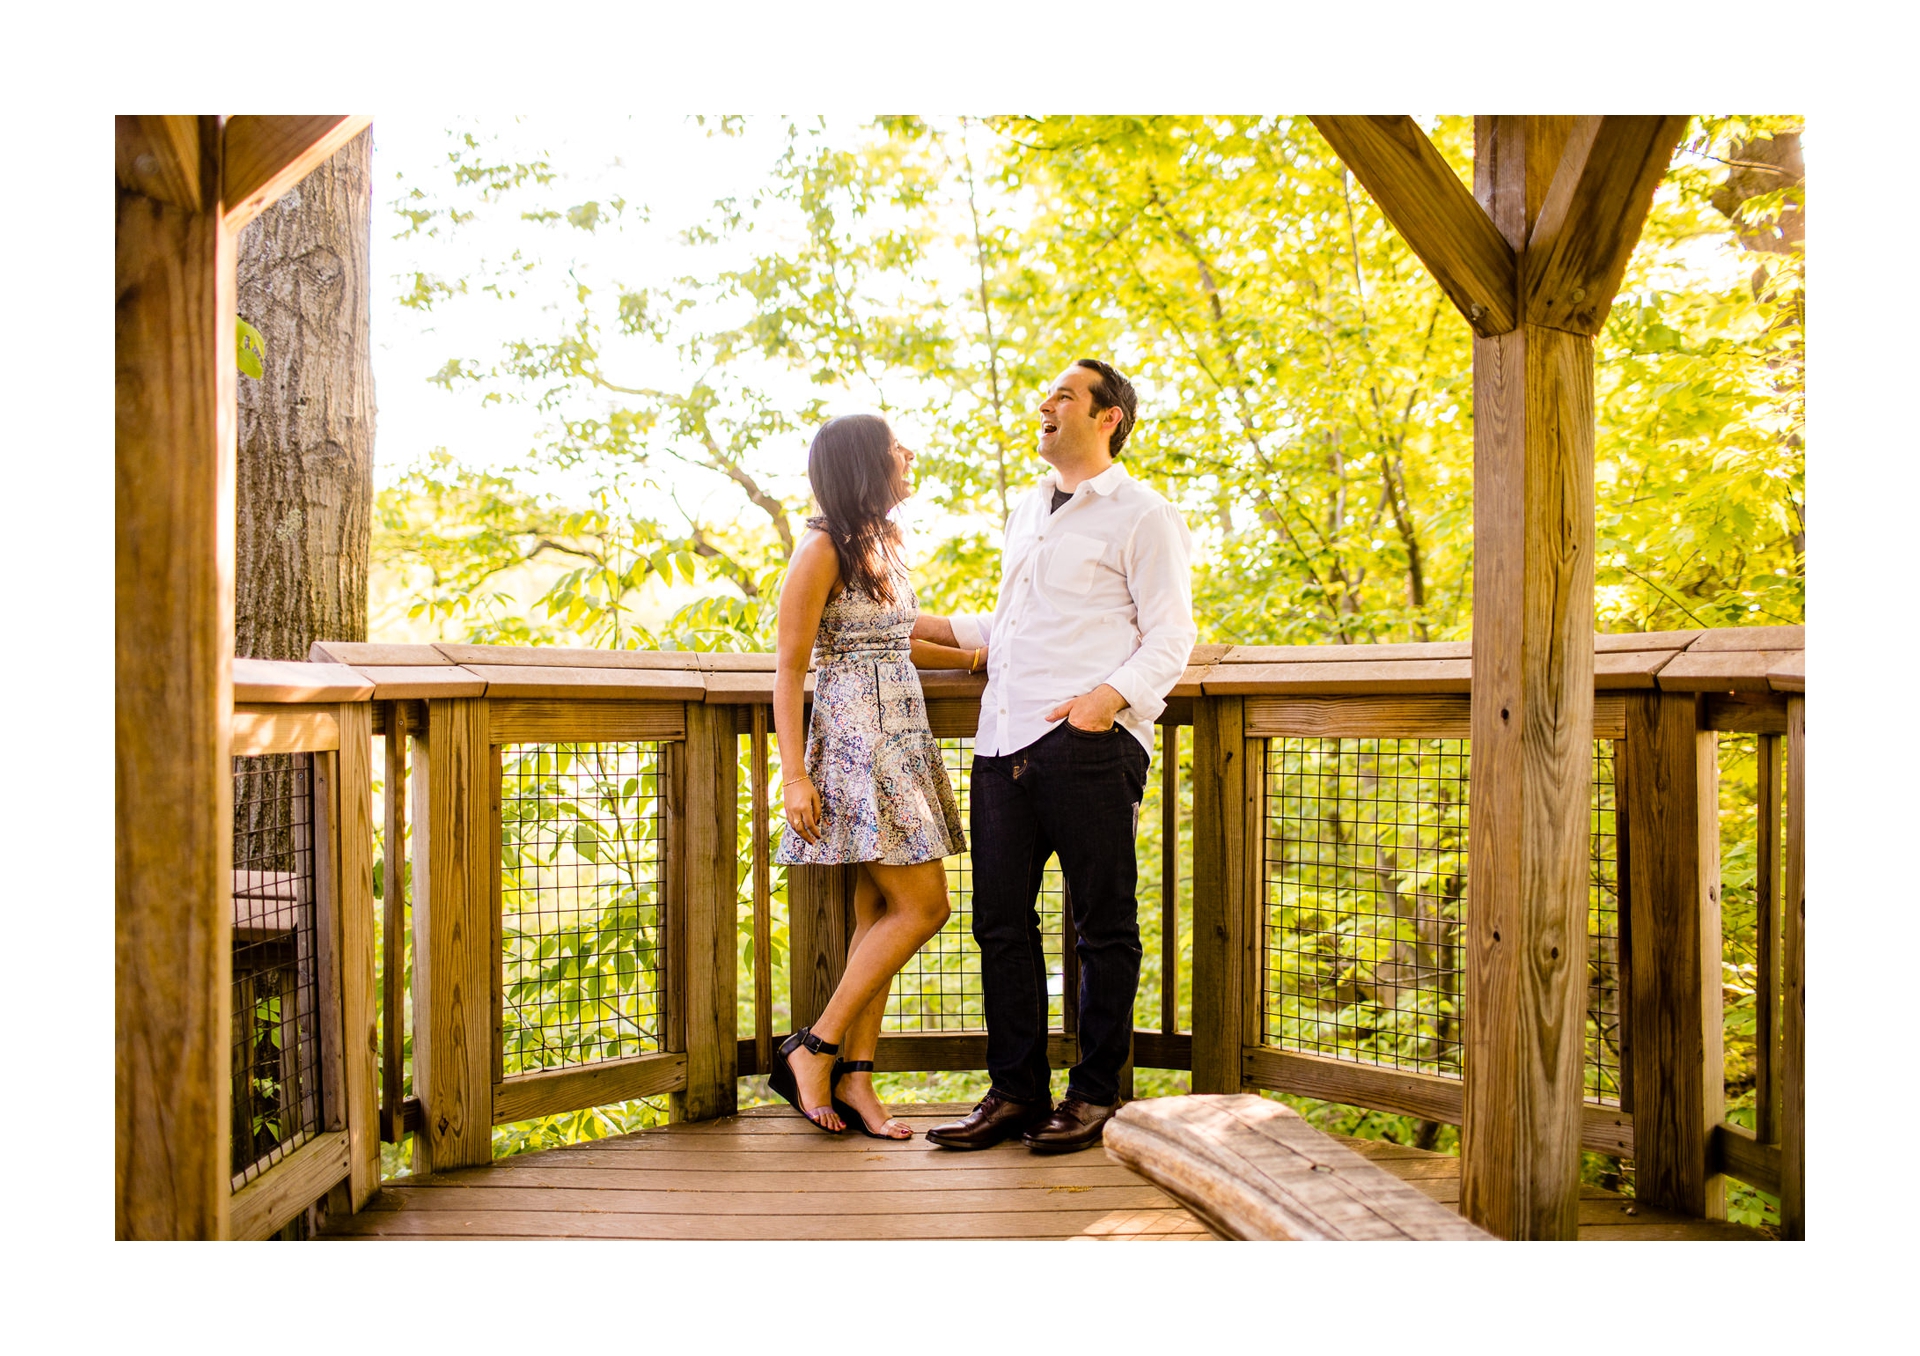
[766,1174]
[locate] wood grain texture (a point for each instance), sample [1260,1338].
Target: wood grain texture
[1359,675]
[454,961]
[1738,1152]
[565,657]
[1761,713]
[266,156]
[378,654]
[553,1091]
[519,720]
[1423,716]
[262,728]
[1591,218]
[708,928]
[1789,674]
[395,682]
[173,698]
[1170,882]
[1767,894]
[1723,638]
[1344,654]
[1253,1169]
[160,157]
[1603,1129]
[819,924]
[1532,731]
[281,680]
[1426,202]
[264,1206]
[1673,996]
[1793,976]
[353,883]
[525,680]
[762,850]
[393,923]
[1222,893]
[1723,671]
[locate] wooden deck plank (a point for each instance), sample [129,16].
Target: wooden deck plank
[766,1174]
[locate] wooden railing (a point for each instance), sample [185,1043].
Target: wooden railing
[458,719]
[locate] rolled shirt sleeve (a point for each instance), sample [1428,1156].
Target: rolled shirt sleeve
[971,630]
[1159,576]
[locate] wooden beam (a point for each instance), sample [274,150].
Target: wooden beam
[173,694]
[265,1206]
[552,1091]
[1591,218]
[819,923]
[267,156]
[709,926]
[454,961]
[1426,202]
[1793,995]
[1673,998]
[1224,970]
[1253,1169]
[1531,721]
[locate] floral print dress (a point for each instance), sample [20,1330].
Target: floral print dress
[884,792]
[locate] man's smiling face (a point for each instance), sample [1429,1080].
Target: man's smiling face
[1069,427]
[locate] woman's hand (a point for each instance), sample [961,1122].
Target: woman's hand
[803,808]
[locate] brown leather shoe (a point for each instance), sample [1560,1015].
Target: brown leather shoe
[1075,1124]
[993,1120]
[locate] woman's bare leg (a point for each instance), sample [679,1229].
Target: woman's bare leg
[863,1032]
[914,900]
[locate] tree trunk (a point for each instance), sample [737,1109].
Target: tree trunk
[305,489]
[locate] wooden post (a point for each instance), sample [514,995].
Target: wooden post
[353,898]
[1766,907]
[1674,996]
[393,927]
[1225,841]
[762,898]
[1169,879]
[1793,995]
[819,925]
[173,682]
[453,958]
[1532,732]
[709,840]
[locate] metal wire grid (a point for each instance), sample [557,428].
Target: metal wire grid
[1603,934]
[275,1060]
[1365,890]
[581,873]
[939,988]
[1366,887]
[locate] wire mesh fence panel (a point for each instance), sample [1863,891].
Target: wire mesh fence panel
[1603,1058]
[1740,918]
[582,842]
[1366,885]
[939,987]
[1364,925]
[275,1060]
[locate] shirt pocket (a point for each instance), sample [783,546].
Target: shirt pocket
[1075,563]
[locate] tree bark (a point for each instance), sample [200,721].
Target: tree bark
[305,492]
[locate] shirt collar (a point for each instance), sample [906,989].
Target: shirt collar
[1105,483]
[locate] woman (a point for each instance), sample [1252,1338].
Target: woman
[874,790]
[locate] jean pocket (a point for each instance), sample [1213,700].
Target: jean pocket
[1107,733]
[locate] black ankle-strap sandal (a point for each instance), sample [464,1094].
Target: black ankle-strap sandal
[780,1078]
[845,1110]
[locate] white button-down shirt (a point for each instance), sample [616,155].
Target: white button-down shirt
[1100,591]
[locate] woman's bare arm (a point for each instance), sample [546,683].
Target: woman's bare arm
[811,578]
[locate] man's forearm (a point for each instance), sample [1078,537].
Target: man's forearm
[939,630]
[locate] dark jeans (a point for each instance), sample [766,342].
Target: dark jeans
[1077,795]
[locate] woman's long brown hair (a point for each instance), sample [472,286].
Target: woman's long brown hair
[857,484]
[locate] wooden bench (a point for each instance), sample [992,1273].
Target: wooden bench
[1252,1168]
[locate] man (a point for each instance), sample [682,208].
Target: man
[1093,626]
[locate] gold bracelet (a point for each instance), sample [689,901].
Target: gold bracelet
[973,665]
[794,781]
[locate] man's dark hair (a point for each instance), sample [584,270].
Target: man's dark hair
[1110,390]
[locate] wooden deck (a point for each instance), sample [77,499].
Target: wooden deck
[766,1174]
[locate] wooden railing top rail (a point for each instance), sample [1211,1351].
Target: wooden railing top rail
[1749,660]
